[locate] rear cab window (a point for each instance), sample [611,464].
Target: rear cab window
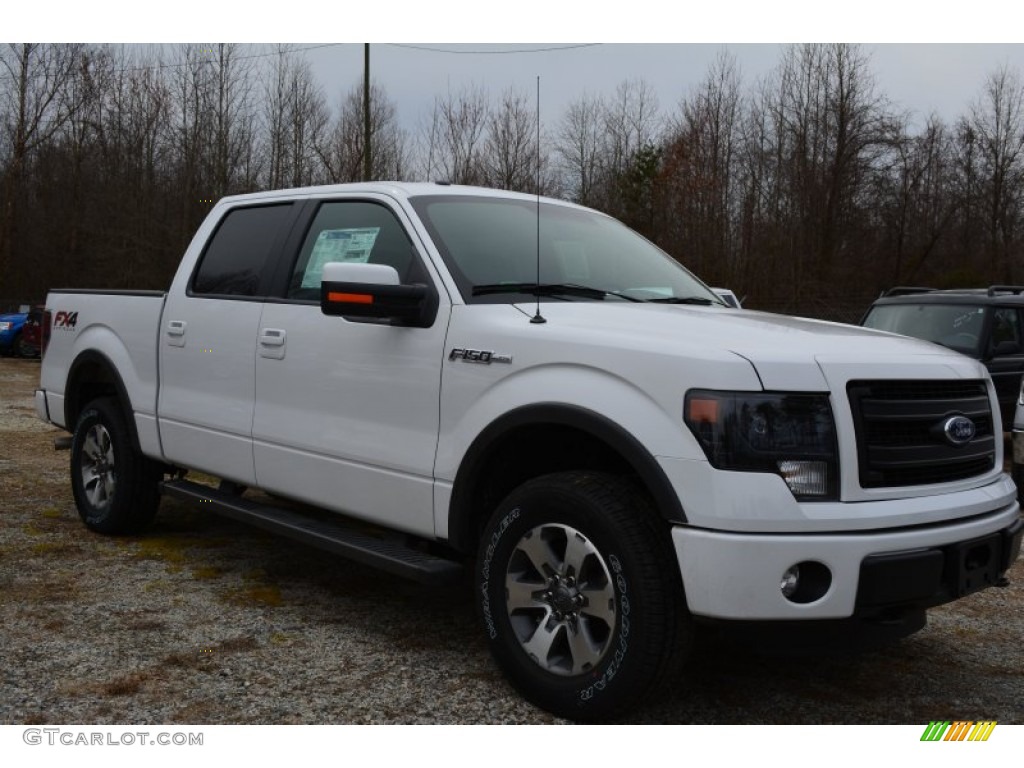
[237,261]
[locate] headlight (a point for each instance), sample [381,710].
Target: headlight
[5,326]
[790,435]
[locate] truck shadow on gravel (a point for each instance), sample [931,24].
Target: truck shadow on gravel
[425,633]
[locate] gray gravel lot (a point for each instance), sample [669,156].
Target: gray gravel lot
[203,620]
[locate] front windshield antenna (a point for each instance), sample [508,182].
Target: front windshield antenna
[537,317]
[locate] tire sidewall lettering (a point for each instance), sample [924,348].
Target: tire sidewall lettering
[485,571]
[615,663]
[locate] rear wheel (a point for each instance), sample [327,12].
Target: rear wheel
[580,595]
[24,349]
[115,486]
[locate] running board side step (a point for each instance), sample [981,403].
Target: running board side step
[386,554]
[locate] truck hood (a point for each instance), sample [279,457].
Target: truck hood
[789,353]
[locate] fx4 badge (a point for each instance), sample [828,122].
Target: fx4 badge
[65,320]
[484,356]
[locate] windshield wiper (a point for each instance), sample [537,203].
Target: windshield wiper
[684,300]
[548,289]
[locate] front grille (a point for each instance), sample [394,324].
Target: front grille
[900,436]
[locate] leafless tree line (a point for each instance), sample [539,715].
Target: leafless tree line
[805,190]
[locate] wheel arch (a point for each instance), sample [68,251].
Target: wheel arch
[533,440]
[93,375]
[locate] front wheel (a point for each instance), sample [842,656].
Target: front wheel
[115,486]
[580,595]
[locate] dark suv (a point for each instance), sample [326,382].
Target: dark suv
[984,323]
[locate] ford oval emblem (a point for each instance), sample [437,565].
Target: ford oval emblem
[959,430]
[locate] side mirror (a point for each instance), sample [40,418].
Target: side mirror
[373,291]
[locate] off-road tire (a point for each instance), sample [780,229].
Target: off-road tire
[580,596]
[115,486]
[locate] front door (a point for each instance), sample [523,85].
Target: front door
[346,413]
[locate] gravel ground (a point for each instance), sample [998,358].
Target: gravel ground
[203,620]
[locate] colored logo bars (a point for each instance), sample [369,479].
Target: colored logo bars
[959,730]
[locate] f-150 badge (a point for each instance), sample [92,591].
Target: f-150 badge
[484,356]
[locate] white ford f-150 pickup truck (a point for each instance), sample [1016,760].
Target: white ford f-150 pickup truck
[527,388]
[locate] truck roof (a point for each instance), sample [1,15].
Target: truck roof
[396,189]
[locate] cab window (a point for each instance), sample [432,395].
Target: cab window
[237,259]
[353,231]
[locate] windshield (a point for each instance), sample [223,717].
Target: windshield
[490,247]
[957,326]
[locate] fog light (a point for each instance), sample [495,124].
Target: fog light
[806,582]
[790,581]
[805,478]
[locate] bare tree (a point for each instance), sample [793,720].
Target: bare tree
[453,137]
[35,103]
[578,146]
[511,151]
[295,121]
[231,109]
[700,171]
[912,202]
[631,122]
[995,126]
[342,150]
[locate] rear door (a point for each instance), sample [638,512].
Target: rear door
[346,412]
[208,344]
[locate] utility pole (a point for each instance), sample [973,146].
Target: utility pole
[367,155]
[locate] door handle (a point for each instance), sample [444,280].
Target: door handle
[272,343]
[176,332]
[272,337]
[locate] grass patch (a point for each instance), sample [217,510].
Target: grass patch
[55,548]
[146,625]
[197,659]
[166,549]
[236,644]
[207,572]
[123,686]
[265,594]
[52,513]
[256,595]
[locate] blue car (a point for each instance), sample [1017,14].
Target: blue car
[10,333]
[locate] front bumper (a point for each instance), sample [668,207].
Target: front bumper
[736,576]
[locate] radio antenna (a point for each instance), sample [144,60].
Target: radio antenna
[537,317]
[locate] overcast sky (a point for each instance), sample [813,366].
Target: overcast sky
[921,78]
[669,45]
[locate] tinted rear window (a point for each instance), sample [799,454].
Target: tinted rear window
[238,256]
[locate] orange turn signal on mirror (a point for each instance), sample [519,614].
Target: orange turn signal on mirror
[350,298]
